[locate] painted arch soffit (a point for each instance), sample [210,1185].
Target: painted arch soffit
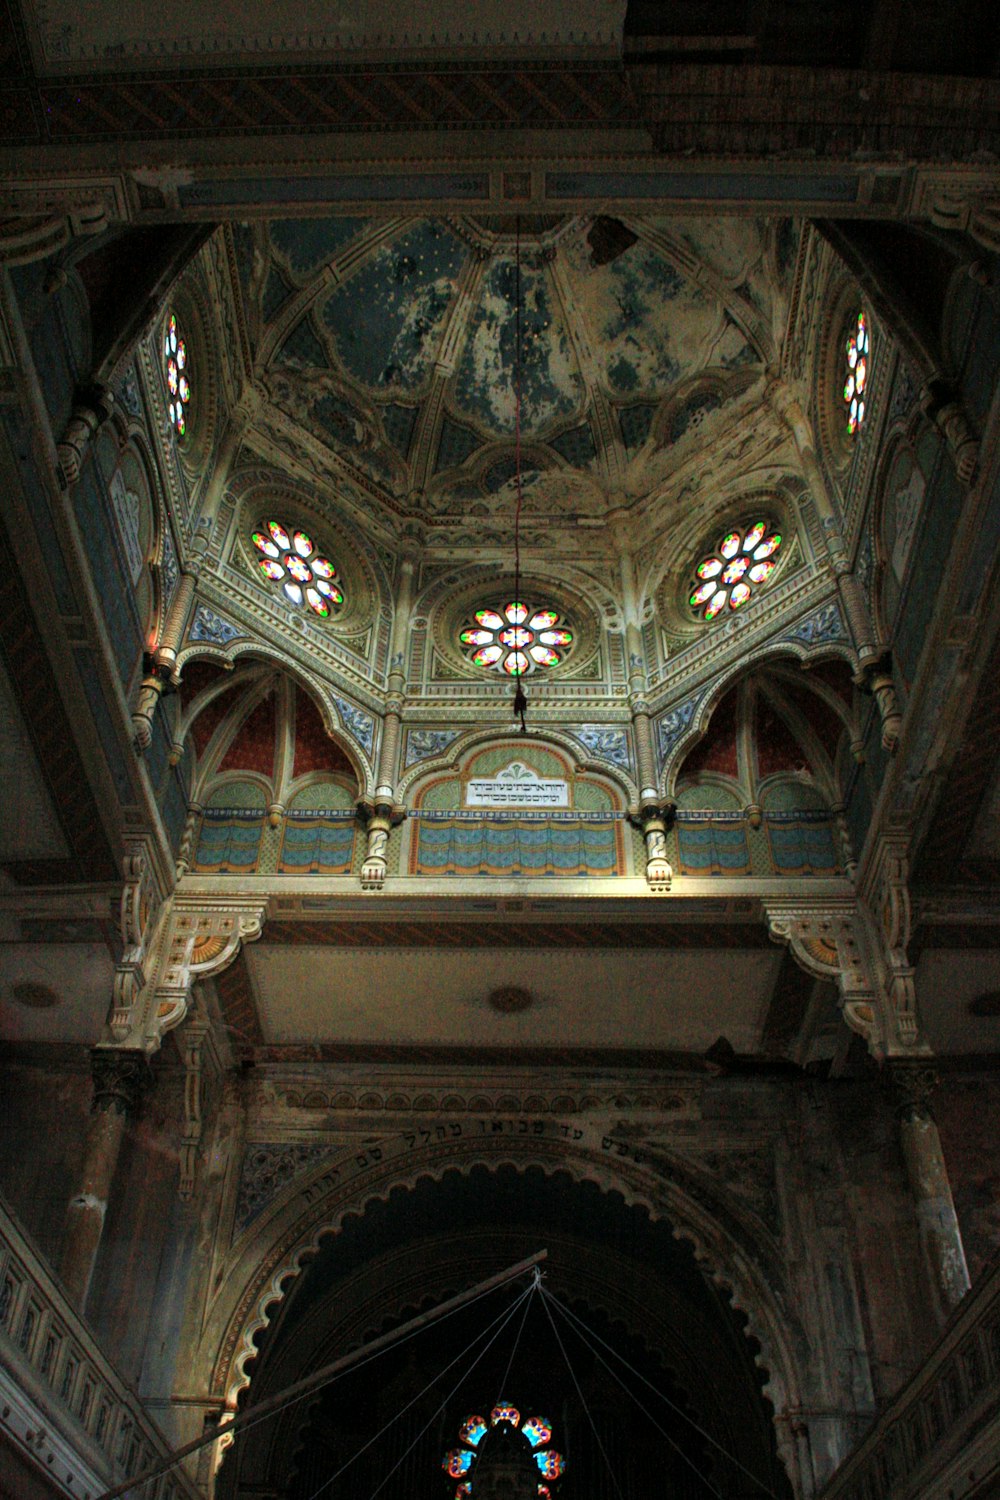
[390,347]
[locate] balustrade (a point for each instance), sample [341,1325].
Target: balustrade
[63,1405]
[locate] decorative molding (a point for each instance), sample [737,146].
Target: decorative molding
[182,944]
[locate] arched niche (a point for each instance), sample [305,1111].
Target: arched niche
[615,1265]
[516,806]
[732,1247]
[759,791]
[275,792]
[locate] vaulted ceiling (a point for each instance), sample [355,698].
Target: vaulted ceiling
[393,346]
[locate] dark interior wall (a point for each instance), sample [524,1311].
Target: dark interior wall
[141,1223]
[46,1101]
[967,1109]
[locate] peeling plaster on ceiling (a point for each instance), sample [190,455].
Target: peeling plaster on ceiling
[396,355]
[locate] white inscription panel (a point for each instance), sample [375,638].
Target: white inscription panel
[517,785]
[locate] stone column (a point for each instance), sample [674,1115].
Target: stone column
[913,1082]
[120,1079]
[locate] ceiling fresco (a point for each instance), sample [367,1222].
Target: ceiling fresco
[394,346]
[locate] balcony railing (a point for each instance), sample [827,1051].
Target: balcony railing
[63,1405]
[940,1437]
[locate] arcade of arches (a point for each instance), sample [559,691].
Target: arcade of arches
[329,987]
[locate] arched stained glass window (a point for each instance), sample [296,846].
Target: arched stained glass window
[290,560]
[516,638]
[533,1434]
[728,577]
[177,376]
[858,377]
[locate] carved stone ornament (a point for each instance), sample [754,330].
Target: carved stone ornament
[153,986]
[378,818]
[121,1078]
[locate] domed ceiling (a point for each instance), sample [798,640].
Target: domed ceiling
[388,348]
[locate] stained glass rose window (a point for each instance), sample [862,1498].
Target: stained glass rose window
[516,638]
[290,560]
[176,375]
[728,577]
[858,376]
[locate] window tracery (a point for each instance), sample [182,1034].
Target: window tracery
[175,373]
[742,562]
[291,560]
[460,1463]
[856,381]
[516,638]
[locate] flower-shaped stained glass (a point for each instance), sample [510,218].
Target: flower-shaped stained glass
[728,577]
[516,638]
[460,1463]
[858,377]
[176,374]
[289,559]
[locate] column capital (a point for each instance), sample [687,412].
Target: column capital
[122,1077]
[912,1081]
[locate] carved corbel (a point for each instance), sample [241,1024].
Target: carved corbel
[875,677]
[942,405]
[824,941]
[183,945]
[155,682]
[379,818]
[90,412]
[655,819]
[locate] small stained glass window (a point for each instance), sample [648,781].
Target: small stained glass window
[516,638]
[728,577]
[289,559]
[858,375]
[536,1432]
[177,376]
